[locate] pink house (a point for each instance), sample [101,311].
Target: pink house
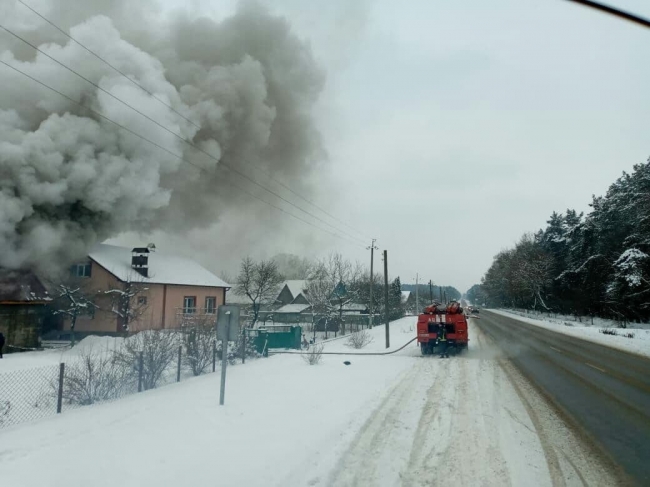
[162,290]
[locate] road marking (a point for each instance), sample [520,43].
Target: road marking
[557,350]
[594,367]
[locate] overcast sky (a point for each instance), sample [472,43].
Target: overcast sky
[451,128]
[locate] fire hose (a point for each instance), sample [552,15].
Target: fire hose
[347,353]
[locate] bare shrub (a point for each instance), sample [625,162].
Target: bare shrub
[198,348]
[359,339]
[629,335]
[314,355]
[95,377]
[159,348]
[609,331]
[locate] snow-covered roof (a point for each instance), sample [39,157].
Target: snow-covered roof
[163,268]
[355,307]
[232,298]
[292,308]
[405,296]
[296,286]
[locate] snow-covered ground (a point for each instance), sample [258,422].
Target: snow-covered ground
[639,343]
[53,357]
[400,419]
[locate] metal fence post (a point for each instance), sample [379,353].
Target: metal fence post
[243,346]
[178,370]
[140,371]
[214,355]
[59,402]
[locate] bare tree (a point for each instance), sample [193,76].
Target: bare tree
[320,285]
[128,301]
[344,274]
[158,348]
[72,302]
[259,281]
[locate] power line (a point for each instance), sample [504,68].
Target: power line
[181,138]
[285,186]
[164,149]
[614,11]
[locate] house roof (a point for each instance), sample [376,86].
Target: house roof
[18,286]
[163,268]
[405,296]
[355,307]
[292,308]
[296,286]
[232,298]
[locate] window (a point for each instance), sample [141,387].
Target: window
[142,300]
[210,305]
[189,304]
[80,270]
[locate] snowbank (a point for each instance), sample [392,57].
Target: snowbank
[42,358]
[640,344]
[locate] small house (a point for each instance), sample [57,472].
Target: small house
[23,306]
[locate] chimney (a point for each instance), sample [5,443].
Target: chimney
[140,260]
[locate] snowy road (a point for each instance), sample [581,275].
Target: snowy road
[469,420]
[604,390]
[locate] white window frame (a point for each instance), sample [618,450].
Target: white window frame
[210,310]
[83,269]
[189,310]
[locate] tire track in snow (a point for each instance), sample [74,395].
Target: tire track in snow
[359,464]
[474,456]
[552,460]
[550,455]
[457,439]
[416,467]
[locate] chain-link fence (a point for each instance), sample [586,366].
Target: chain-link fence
[144,361]
[27,395]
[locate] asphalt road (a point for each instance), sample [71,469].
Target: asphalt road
[606,392]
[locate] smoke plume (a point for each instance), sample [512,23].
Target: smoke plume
[245,87]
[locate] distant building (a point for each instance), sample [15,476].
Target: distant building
[293,292]
[23,300]
[408,301]
[169,290]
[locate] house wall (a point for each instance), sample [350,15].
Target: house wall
[21,324]
[174,301]
[103,320]
[163,308]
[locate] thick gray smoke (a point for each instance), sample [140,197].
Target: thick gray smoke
[69,179]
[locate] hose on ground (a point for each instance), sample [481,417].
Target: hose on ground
[346,353]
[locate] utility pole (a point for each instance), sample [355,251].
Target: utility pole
[372,279]
[440,289]
[431,291]
[386,297]
[417,295]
